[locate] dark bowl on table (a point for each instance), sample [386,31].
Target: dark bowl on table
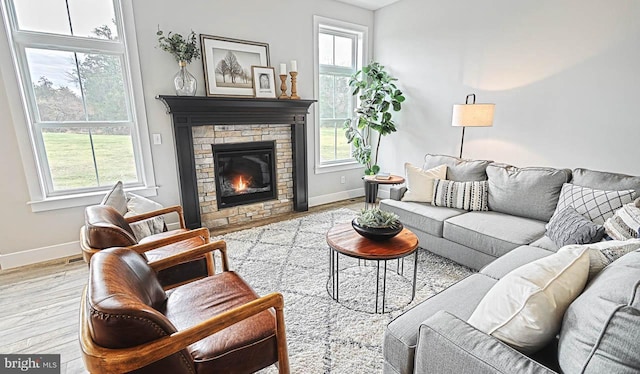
[376,234]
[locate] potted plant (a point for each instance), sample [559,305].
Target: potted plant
[378,97]
[184,50]
[376,224]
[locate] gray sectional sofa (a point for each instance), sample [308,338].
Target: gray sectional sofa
[433,337]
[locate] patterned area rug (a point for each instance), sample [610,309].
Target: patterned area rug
[292,257]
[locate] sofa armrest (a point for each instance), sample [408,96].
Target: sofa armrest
[396,193]
[447,344]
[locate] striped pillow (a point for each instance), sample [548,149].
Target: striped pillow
[461,195]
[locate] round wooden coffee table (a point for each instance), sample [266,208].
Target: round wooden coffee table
[343,239]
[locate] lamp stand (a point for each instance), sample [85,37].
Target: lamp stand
[462,141]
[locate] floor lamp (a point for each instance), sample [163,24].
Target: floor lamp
[471,115]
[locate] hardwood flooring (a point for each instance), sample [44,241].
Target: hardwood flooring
[40,304]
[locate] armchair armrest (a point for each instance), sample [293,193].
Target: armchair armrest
[396,193]
[171,209]
[128,359]
[147,246]
[191,254]
[447,344]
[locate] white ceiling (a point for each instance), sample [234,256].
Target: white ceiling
[369,4]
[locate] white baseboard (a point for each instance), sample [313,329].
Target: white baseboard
[36,255]
[337,196]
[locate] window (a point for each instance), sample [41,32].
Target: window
[74,71]
[339,54]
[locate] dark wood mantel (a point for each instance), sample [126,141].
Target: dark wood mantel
[189,111]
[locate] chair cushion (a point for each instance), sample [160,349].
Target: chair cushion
[123,298]
[401,334]
[106,228]
[425,217]
[531,192]
[601,327]
[492,233]
[229,350]
[116,198]
[184,271]
[459,169]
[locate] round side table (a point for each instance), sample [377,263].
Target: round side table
[371,188]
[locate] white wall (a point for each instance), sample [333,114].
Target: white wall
[285,24]
[564,76]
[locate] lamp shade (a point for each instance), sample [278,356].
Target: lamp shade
[472,115]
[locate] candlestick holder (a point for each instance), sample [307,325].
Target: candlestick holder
[283,87]
[294,85]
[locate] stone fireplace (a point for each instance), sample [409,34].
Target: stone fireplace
[260,154]
[200,123]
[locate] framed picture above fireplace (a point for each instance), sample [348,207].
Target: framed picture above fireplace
[227,64]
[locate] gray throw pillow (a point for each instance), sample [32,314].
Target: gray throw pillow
[570,227]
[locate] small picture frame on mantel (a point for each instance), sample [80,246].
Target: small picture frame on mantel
[264,82]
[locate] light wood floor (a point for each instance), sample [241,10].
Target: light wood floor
[39,304]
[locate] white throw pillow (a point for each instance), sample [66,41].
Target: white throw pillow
[525,308]
[420,182]
[116,199]
[137,204]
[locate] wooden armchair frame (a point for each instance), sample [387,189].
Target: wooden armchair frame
[104,360]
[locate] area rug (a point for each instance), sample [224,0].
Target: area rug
[324,336]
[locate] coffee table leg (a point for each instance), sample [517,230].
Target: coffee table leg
[415,273]
[377,284]
[384,285]
[337,270]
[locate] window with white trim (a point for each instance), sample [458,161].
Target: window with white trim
[340,53]
[73,67]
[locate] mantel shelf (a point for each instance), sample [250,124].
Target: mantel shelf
[195,104]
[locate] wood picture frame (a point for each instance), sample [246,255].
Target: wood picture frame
[227,64]
[264,82]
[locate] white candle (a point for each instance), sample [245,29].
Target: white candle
[294,65]
[283,69]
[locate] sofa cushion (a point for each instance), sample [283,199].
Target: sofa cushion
[605,181]
[493,233]
[570,227]
[460,195]
[401,334]
[597,205]
[459,169]
[545,243]
[601,327]
[514,259]
[531,192]
[525,308]
[420,182]
[425,217]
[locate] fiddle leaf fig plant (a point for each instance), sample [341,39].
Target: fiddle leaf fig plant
[378,96]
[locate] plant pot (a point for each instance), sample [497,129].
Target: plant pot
[374,233]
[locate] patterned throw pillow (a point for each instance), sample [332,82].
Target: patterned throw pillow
[625,223]
[461,195]
[597,205]
[570,227]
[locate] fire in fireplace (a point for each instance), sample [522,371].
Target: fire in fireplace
[245,173]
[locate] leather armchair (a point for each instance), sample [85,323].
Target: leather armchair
[213,325]
[105,228]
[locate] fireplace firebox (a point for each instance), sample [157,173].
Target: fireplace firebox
[245,173]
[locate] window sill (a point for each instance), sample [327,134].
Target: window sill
[84,199]
[350,165]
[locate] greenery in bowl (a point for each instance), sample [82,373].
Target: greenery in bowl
[376,218]
[183,49]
